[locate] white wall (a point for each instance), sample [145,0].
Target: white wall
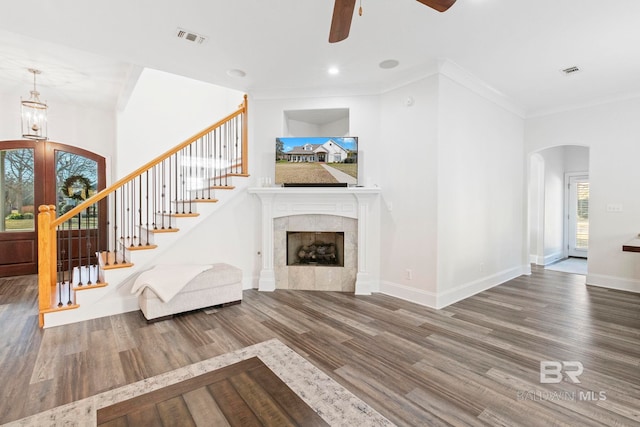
[481,193]
[612,132]
[165,110]
[536,208]
[554,194]
[576,159]
[336,128]
[81,126]
[300,128]
[409,180]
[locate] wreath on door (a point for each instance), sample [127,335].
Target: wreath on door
[76,187]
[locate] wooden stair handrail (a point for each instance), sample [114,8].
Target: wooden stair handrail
[113,187]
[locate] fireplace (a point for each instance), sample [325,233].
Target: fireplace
[315,248]
[352,211]
[315,269]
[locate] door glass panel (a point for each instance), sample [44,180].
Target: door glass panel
[578,216]
[17,190]
[77,180]
[582,217]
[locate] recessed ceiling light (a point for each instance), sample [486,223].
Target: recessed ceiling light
[236,73]
[388,63]
[333,71]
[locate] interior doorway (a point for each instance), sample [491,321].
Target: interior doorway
[34,173]
[558,204]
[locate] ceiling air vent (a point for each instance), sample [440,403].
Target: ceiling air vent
[571,70]
[190,36]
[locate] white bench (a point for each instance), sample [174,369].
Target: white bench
[219,285]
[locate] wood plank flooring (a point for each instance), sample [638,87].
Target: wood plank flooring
[476,362]
[244,394]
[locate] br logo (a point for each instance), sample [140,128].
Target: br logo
[553,372]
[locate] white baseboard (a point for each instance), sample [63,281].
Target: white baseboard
[418,296]
[613,282]
[550,259]
[92,311]
[468,289]
[441,300]
[547,259]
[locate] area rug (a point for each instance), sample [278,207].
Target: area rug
[332,402]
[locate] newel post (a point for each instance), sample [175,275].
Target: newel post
[46,259]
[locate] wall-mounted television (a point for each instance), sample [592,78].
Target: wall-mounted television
[317,161]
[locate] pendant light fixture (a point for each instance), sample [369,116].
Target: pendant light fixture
[34,113]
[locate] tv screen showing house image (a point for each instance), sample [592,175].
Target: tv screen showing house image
[317,160]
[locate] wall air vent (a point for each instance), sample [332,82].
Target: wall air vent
[571,70]
[190,36]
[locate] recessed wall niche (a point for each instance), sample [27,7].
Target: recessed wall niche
[316,122]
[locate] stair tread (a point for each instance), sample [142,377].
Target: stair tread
[140,247]
[111,260]
[62,308]
[164,230]
[87,287]
[119,265]
[184,215]
[213,187]
[199,201]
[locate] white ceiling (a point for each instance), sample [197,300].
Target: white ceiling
[87,49]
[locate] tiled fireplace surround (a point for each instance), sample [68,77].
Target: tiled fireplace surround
[317,209]
[315,278]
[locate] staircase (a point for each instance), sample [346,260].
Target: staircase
[90,256]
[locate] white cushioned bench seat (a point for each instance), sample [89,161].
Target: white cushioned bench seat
[220,284]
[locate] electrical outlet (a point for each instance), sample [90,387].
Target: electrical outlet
[408,274]
[614,207]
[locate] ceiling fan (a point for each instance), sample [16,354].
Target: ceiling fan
[343,12]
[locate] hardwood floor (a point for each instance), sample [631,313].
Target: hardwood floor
[476,362]
[244,394]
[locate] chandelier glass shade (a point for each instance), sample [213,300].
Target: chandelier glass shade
[34,113]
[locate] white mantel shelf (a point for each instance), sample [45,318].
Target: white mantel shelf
[351,202]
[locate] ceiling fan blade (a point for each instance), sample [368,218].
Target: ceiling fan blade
[341,21]
[439,5]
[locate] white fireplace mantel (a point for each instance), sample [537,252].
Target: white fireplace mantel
[351,202]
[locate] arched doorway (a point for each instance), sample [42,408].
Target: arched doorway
[558,204]
[33,173]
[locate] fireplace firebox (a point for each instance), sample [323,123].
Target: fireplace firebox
[315,248]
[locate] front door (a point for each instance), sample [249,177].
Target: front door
[33,174]
[21,166]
